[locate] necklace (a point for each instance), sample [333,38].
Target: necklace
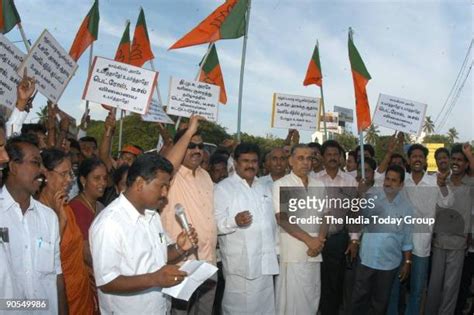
[89,205]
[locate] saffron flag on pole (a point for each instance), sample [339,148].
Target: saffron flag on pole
[314,74]
[226,22]
[9,16]
[211,72]
[123,50]
[141,47]
[87,33]
[361,77]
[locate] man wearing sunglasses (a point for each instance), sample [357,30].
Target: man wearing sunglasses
[193,188]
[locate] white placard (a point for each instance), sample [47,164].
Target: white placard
[400,114]
[193,97]
[120,85]
[156,113]
[10,58]
[50,65]
[295,112]
[345,114]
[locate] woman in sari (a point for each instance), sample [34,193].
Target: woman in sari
[79,288]
[92,181]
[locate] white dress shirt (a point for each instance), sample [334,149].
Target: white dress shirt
[342,179]
[248,251]
[126,243]
[292,249]
[424,196]
[15,121]
[34,248]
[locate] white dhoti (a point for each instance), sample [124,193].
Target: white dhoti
[298,288]
[248,296]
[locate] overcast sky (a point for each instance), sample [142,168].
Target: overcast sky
[412,49]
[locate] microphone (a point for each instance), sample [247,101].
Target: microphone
[183,220]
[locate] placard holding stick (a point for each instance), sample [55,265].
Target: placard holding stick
[156,113]
[120,85]
[400,114]
[50,65]
[193,97]
[10,58]
[295,112]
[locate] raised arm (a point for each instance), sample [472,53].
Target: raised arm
[105,144]
[176,154]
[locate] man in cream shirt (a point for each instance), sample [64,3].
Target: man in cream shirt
[247,227]
[299,283]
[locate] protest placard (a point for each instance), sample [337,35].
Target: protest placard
[50,65]
[345,114]
[193,97]
[120,85]
[10,57]
[295,111]
[399,114]
[156,113]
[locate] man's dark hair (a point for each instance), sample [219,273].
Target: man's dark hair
[417,146]
[52,158]
[217,159]
[222,151]
[397,169]
[316,145]
[367,147]
[146,166]
[2,123]
[370,161]
[456,148]
[441,150]
[330,144]
[398,156]
[118,173]
[87,166]
[74,144]
[246,147]
[298,146]
[13,148]
[353,154]
[181,133]
[33,128]
[88,139]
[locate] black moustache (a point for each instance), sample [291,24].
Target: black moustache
[250,169]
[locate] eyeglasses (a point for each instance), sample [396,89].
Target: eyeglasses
[193,145]
[65,174]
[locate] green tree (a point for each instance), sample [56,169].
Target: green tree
[437,139]
[452,135]
[42,114]
[372,135]
[347,140]
[428,126]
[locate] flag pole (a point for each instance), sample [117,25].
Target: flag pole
[23,36]
[242,67]
[204,59]
[120,130]
[362,156]
[91,53]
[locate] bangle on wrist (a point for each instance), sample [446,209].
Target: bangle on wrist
[408,261]
[179,250]
[354,241]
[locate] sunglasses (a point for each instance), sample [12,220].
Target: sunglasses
[193,145]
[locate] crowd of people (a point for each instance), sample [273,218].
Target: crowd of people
[93,234]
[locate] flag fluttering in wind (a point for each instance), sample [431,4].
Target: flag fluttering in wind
[87,33]
[123,50]
[226,22]
[9,16]
[361,77]
[141,47]
[211,72]
[314,74]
